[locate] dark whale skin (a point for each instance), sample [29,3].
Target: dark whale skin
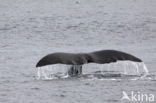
[62,58]
[108,56]
[101,57]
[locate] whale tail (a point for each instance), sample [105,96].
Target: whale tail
[75,70]
[108,56]
[100,57]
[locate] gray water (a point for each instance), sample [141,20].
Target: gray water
[31,29]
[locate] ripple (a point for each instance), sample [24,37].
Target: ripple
[35,88]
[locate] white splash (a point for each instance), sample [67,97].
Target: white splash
[121,67]
[53,71]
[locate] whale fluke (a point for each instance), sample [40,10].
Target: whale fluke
[100,57]
[109,56]
[62,58]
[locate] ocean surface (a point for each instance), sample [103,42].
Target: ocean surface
[31,29]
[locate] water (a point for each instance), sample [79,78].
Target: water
[31,29]
[128,68]
[53,72]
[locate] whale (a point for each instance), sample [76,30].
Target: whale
[77,60]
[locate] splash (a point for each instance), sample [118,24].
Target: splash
[129,68]
[53,71]
[121,67]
